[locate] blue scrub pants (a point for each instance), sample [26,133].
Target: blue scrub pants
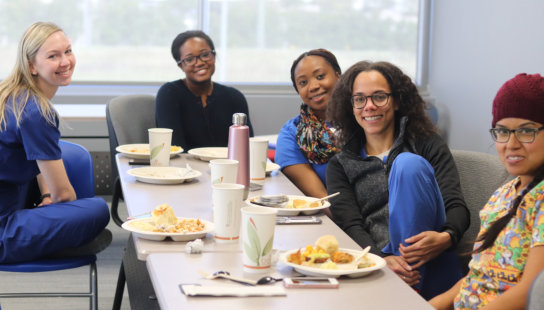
[28,234]
[415,206]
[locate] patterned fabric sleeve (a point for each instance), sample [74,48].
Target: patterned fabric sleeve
[538,212]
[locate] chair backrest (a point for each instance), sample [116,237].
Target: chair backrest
[79,168]
[535,298]
[439,115]
[480,174]
[128,118]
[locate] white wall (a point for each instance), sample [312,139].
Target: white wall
[476,45]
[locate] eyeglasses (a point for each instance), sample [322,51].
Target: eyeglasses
[524,135]
[191,60]
[378,99]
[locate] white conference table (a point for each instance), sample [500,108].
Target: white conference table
[169,265]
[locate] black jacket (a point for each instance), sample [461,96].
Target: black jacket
[362,208]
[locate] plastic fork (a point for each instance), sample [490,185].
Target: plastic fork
[187,172]
[226,275]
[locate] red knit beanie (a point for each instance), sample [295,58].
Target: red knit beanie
[520,97]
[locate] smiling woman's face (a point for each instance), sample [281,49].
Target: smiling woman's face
[521,159]
[378,122]
[54,64]
[201,71]
[315,79]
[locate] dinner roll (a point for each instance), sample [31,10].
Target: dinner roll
[164,215]
[327,243]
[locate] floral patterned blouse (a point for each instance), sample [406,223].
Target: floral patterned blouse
[498,268]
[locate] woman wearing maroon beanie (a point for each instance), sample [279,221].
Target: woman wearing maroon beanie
[509,251]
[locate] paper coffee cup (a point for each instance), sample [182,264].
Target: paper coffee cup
[227,201]
[258,151]
[160,140]
[223,170]
[258,225]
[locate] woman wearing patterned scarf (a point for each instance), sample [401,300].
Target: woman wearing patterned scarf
[307,142]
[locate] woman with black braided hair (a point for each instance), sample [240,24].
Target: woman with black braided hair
[307,142]
[509,251]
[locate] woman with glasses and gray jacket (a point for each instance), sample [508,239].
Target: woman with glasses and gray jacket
[197,109]
[400,190]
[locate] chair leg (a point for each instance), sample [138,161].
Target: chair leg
[117,194]
[94,287]
[120,289]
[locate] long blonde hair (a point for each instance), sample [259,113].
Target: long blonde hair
[20,85]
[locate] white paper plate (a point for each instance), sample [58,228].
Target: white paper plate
[349,270]
[163,175]
[292,212]
[140,151]
[209,153]
[158,236]
[271,167]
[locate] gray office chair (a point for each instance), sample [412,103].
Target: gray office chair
[128,118]
[535,298]
[480,174]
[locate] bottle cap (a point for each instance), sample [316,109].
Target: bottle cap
[239,119]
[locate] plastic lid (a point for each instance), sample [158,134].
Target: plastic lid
[239,118]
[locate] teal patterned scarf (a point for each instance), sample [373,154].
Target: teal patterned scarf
[315,138]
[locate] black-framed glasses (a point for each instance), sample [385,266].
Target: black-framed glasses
[191,60]
[524,135]
[378,99]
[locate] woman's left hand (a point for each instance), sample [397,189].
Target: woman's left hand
[424,247]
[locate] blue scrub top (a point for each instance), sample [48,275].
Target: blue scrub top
[20,147]
[288,151]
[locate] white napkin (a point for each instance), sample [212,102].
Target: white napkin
[229,290]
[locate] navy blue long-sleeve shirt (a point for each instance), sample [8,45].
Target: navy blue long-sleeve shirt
[194,125]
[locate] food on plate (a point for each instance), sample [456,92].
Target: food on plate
[365,262]
[328,265]
[302,204]
[327,243]
[164,215]
[145,149]
[163,220]
[341,257]
[145,226]
[326,255]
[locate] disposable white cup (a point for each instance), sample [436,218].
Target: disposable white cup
[227,201]
[160,140]
[258,225]
[223,170]
[258,149]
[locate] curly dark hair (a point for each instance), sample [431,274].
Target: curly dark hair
[404,92]
[184,36]
[321,52]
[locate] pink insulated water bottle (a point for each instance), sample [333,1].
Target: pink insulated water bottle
[239,148]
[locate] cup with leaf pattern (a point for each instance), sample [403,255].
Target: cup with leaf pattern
[160,140]
[258,151]
[258,224]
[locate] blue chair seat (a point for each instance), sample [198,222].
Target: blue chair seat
[79,168]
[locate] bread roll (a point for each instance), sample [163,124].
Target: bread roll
[164,215]
[327,243]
